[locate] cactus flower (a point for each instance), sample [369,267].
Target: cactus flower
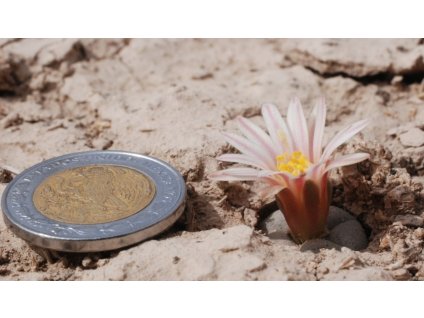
[291,162]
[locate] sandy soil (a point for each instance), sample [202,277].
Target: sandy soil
[171,99]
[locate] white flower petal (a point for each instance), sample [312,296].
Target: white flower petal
[235,174]
[298,128]
[239,158]
[315,171]
[256,135]
[317,133]
[277,128]
[252,150]
[347,160]
[343,136]
[269,191]
[286,177]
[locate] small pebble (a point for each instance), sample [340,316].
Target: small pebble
[250,217]
[397,80]
[88,263]
[275,226]
[337,216]
[349,234]
[401,274]
[412,138]
[345,231]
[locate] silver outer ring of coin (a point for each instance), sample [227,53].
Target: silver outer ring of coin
[23,218]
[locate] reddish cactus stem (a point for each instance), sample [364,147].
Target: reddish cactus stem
[305,208]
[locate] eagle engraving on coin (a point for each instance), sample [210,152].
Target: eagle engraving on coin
[93,194]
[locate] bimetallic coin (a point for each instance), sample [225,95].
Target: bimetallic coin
[93,194]
[93,201]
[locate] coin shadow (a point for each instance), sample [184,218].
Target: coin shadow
[204,215]
[199,215]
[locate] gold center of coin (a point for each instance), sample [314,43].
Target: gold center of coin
[93,194]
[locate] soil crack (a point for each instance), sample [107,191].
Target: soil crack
[382,78]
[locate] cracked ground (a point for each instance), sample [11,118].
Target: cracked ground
[171,99]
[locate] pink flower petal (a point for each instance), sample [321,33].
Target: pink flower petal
[235,174]
[317,133]
[277,128]
[268,191]
[343,136]
[286,177]
[315,172]
[347,160]
[297,126]
[274,181]
[242,159]
[256,135]
[256,152]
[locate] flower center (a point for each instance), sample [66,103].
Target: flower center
[295,163]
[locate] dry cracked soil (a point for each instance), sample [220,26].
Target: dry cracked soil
[171,99]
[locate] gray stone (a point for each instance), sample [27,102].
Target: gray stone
[275,226]
[337,216]
[349,234]
[317,244]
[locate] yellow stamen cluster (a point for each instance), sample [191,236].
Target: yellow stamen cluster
[295,163]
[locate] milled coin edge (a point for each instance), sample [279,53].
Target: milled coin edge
[101,244]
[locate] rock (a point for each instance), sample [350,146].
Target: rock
[401,274]
[349,234]
[412,160]
[358,57]
[396,80]
[344,231]
[88,263]
[419,233]
[410,220]
[412,138]
[5,175]
[336,216]
[396,131]
[317,244]
[401,197]
[275,226]
[250,217]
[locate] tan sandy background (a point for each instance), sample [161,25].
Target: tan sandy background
[171,99]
